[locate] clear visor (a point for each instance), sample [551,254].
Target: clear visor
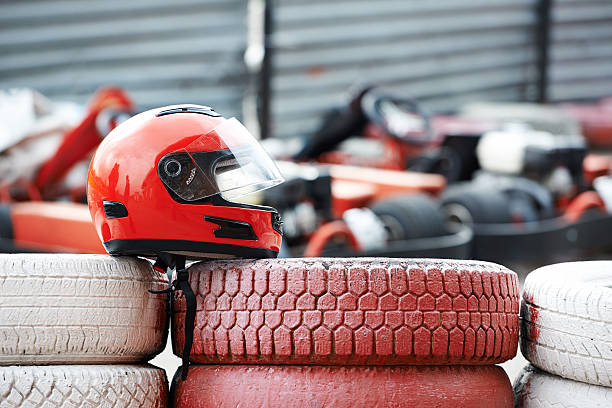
[227,160]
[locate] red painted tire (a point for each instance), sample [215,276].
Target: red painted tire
[332,386]
[351,311]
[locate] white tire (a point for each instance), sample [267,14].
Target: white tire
[539,389]
[83,386]
[64,308]
[566,319]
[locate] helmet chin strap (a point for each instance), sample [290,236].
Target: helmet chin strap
[164,264]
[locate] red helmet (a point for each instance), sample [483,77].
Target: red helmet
[160,183]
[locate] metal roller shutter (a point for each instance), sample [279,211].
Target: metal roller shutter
[160,51]
[580,50]
[441,52]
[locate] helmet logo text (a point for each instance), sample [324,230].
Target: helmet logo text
[191,176]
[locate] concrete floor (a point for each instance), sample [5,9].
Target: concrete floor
[167,360]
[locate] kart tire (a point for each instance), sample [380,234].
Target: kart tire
[566,320]
[537,201]
[83,386]
[415,215]
[65,308]
[539,389]
[483,205]
[340,387]
[351,311]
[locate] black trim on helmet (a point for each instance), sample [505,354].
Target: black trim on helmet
[179,173]
[196,249]
[232,229]
[209,161]
[114,209]
[195,172]
[203,110]
[277,222]
[219,201]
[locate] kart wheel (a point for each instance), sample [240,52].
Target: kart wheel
[473,204]
[528,200]
[411,216]
[351,311]
[60,308]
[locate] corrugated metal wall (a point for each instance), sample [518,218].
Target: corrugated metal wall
[442,52]
[161,51]
[581,49]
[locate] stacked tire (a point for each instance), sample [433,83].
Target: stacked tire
[566,335]
[348,332]
[77,330]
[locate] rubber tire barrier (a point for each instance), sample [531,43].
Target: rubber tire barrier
[340,387]
[567,320]
[416,215]
[539,389]
[484,204]
[351,311]
[83,386]
[63,309]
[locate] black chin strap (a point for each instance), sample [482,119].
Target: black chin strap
[182,283]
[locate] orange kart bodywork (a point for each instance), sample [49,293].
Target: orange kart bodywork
[355,187]
[67,227]
[49,227]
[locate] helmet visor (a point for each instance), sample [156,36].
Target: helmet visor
[227,160]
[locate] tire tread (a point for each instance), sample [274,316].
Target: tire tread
[539,389]
[351,311]
[104,386]
[59,308]
[566,320]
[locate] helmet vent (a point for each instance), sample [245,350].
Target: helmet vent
[232,229]
[203,110]
[114,209]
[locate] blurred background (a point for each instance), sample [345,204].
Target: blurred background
[301,57]
[455,129]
